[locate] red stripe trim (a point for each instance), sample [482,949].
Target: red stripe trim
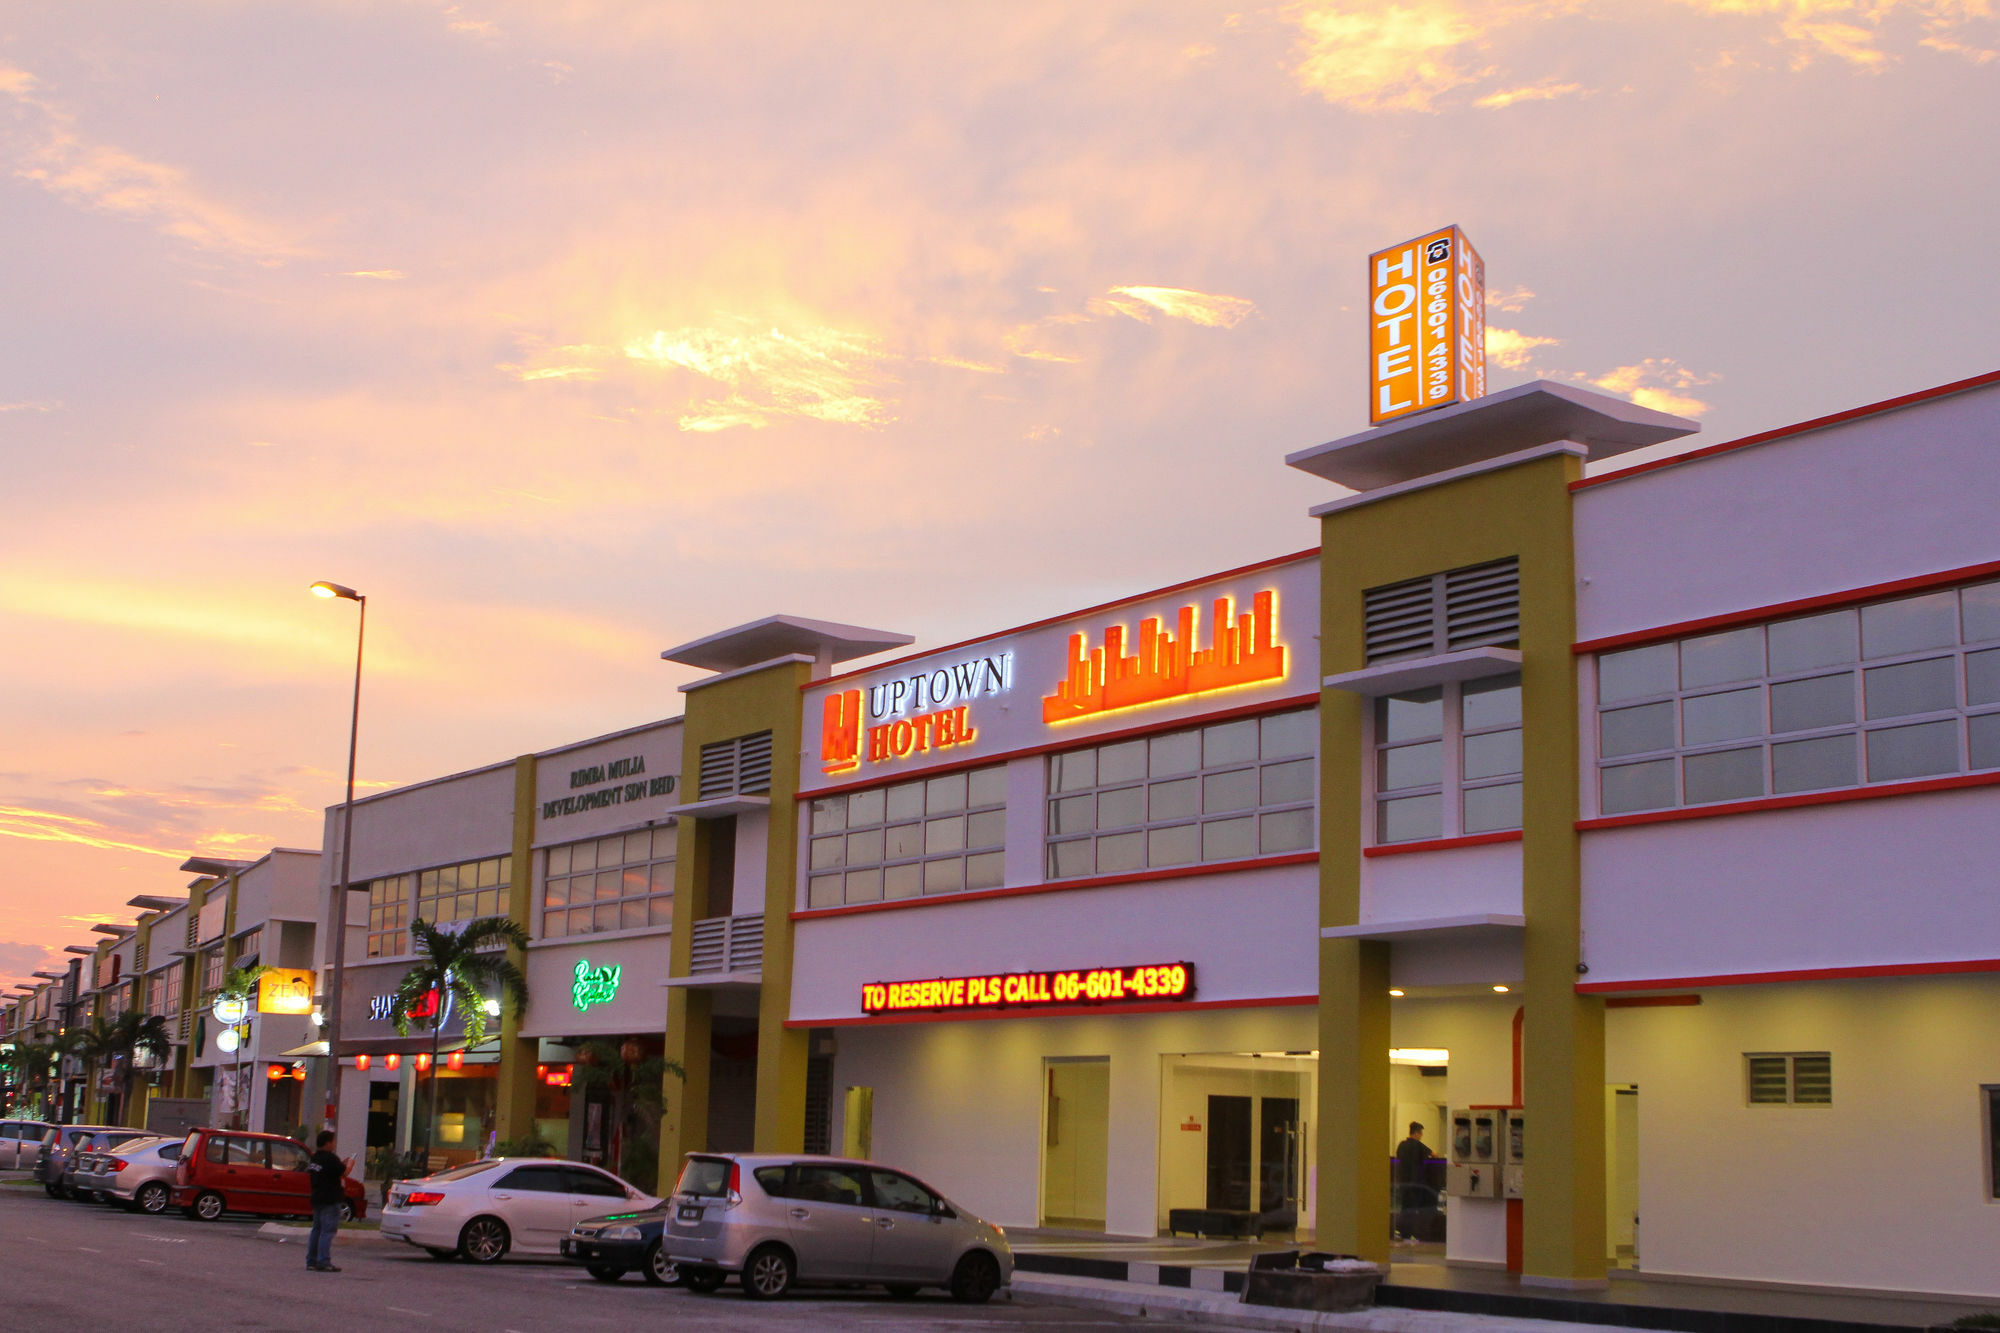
[1055,1011]
[1099,738]
[1239,571]
[1061,885]
[1817,423]
[1650,1001]
[1441,844]
[1801,974]
[1917,583]
[1916,788]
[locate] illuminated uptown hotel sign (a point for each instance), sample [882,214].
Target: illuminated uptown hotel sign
[1426,325]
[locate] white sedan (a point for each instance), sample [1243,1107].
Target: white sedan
[486,1210]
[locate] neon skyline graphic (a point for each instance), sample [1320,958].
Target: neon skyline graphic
[1166,666]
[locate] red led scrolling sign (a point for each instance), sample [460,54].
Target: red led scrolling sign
[1001,990]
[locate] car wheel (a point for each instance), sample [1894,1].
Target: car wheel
[50,1190]
[902,1291]
[151,1198]
[659,1270]
[435,1253]
[603,1273]
[346,1211]
[703,1280]
[209,1206]
[484,1240]
[767,1273]
[975,1279]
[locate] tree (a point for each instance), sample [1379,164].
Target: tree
[456,967]
[93,1045]
[638,1100]
[35,1066]
[131,1033]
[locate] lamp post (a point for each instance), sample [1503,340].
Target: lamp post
[326,589]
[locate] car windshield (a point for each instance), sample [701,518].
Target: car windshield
[461,1172]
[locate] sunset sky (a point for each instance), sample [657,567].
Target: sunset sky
[569,330]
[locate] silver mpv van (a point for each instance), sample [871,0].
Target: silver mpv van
[778,1221]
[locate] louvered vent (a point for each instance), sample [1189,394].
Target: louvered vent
[139,954]
[1812,1079]
[1463,608]
[741,767]
[194,925]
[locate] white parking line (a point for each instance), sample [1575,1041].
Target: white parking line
[87,1250]
[400,1310]
[154,1262]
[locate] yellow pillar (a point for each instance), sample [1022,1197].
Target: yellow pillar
[1352,1201]
[515,1118]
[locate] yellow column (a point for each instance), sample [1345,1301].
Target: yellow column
[516,1093]
[690,1011]
[1352,1202]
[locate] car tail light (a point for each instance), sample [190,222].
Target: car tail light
[736,1182]
[422,1197]
[116,1164]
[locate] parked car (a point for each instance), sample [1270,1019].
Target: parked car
[52,1159]
[775,1222]
[21,1143]
[615,1244]
[236,1171]
[486,1210]
[97,1141]
[138,1176]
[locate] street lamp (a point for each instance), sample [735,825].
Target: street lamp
[326,589]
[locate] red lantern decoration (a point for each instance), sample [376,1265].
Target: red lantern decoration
[423,1062]
[632,1051]
[298,1073]
[541,1071]
[587,1056]
[392,1061]
[275,1072]
[361,1062]
[456,1059]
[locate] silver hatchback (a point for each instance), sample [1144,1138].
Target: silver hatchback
[778,1221]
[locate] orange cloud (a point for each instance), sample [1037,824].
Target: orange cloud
[1140,303]
[1513,350]
[1655,383]
[1545,91]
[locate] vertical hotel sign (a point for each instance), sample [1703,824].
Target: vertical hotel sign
[1427,325]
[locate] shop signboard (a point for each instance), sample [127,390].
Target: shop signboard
[594,985]
[607,784]
[1146,984]
[1183,652]
[285,990]
[1426,325]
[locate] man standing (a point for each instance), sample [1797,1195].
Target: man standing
[1412,1155]
[329,1190]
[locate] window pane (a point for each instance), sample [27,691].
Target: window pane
[1229,743]
[829,814]
[1929,686]
[1811,765]
[1409,817]
[660,877]
[552,925]
[583,856]
[1717,659]
[558,861]
[902,881]
[864,886]
[1223,792]
[1075,771]
[1817,701]
[634,885]
[1284,783]
[1489,809]
[1982,677]
[944,795]
[1176,752]
[987,871]
[1417,715]
[987,829]
[666,840]
[946,876]
[610,852]
[1636,730]
[1289,734]
[1120,852]
[1730,775]
[1495,702]
[906,800]
[986,786]
[903,841]
[1411,766]
[660,910]
[1982,621]
[1179,845]
[555,894]
[489,902]
[1173,800]
[604,917]
[632,913]
[865,807]
[1909,625]
[944,835]
[638,847]
[864,849]
[507,870]
[1912,752]
[1630,787]
[608,882]
[1115,809]
[1228,839]
[579,920]
[1731,715]
[1636,673]
[1493,754]
[1072,814]
[1984,735]
[823,891]
[1068,859]
[1123,762]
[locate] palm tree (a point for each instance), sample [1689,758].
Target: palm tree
[637,1084]
[95,1047]
[129,1034]
[456,968]
[35,1065]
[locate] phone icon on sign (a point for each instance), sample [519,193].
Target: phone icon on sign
[1438,251]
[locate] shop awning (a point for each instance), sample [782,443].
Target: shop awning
[309,1049]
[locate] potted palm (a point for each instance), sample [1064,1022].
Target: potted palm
[457,968]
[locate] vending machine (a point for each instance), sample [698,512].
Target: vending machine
[1474,1169]
[1510,1166]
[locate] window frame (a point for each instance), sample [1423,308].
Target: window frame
[1767,740]
[1791,1059]
[1452,784]
[648,899]
[823,833]
[395,900]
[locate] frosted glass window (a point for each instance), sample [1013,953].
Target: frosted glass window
[1718,659]
[1637,673]
[916,837]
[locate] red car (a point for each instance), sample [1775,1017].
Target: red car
[234,1171]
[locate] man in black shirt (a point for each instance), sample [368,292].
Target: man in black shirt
[1412,1154]
[329,1191]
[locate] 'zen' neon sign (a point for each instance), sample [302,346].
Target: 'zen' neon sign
[1099,985]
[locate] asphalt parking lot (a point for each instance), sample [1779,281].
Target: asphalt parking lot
[75,1267]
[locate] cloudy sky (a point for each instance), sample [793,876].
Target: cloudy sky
[569,330]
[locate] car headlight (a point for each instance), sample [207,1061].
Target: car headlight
[620,1233]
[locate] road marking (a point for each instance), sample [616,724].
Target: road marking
[154,1262]
[87,1250]
[400,1310]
